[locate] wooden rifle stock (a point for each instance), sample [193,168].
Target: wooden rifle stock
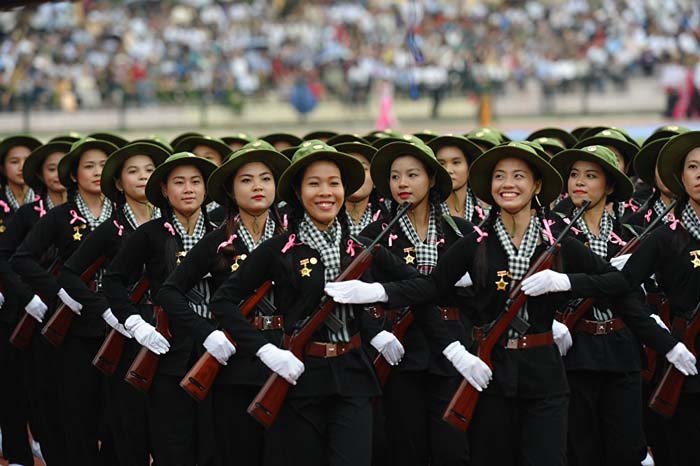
[26,328]
[142,371]
[381,366]
[56,328]
[110,353]
[199,380]
[268,402]
[460,411]
[665,398]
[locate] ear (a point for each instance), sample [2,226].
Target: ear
[609,189]
[163,190]
[432,181]
[538,187]
[118,184]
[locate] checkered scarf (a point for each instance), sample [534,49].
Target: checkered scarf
[188,242]
[12,200]
[366,219]
[659,208]
[327,244]
[426,252]
[131,217]
[469,203]
[49,203]
[598,244]
[691,221]
[212,206]
[248,238]
[92,221]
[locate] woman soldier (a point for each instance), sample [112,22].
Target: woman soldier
[456,154]
[419,388]
[327,418]
[63,228]
[40,173]
[521,415]
[672,253]
[123,181]
[178,188]
[14,150]
[605,406]
[245,186]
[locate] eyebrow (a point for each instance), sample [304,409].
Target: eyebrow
[267,172]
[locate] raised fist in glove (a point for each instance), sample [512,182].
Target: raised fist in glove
[112,321]
[36,308]
[146,334]
[545,281]
[356,292]
[659,322]
[682,359]
[562,337]
[465,281]
[473,369]
[72,304]
[219,346]
[282,362]
[619,261]
[390,347]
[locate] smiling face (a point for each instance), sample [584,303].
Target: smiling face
[366,188]
[513,185]
[49,173]
[12,166]
[587,182]
[89,171]
[185,189]
[409,180]
[690,177]
[134,177]
[456,165]
[321,192]
[208,153]
[254,188]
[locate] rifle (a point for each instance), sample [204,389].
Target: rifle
[269,400]
[399,329]
[199,380]
[663,307]
[460,411]
[109,354]
[57,327]
[572,318]
[24,332]
[142,371]
[665,399]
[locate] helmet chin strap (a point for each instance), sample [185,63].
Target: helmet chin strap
[256,227]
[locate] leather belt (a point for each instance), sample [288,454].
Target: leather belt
[449,313]
[593,327]
[378,312]
[268,322]
[530,341]
[330,350]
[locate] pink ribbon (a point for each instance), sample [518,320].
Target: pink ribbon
[647,216]
[5,207]
[479,212]
[169,227]
[228,242]
[376,215]
[574,229]
[75,217]
[629,204]
[440,241]
[547,230]
[351,248]
[290,243]
[392,236]
[120,228]
[482,234]
[40,208]
[285,221]
[672,221]
[616,239]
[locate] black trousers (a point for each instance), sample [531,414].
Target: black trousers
[605,420]
[685,430]
[14,400]
[240,439]
[413,404]
[518,431]
[656,429]
[325,431]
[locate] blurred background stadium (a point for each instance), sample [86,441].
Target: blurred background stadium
[141,66]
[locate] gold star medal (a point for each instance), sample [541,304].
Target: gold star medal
[179,256]
[501,284]
[2,228]
[235,265]
[76,234]
[696,259]
[305,271]
[410,259]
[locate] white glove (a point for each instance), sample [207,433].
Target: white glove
[356,292]
[36,308]
[473,369]
[620,261]
[112,321]
[659,322]
[146,334]
[546,281]
[219,346]
[2,299]
[390,347]
[282,362]
[682,359]
[562,337]
[74,305]
[465,281]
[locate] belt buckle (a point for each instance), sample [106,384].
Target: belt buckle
[331,350]
[601,328]
[267,322]
[512,343]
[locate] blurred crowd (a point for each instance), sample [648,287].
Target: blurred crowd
[99,53]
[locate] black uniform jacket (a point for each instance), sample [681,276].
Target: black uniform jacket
[529,373]
[153,249]
[201,260]
[420,353]
[674,256]
[298,295]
